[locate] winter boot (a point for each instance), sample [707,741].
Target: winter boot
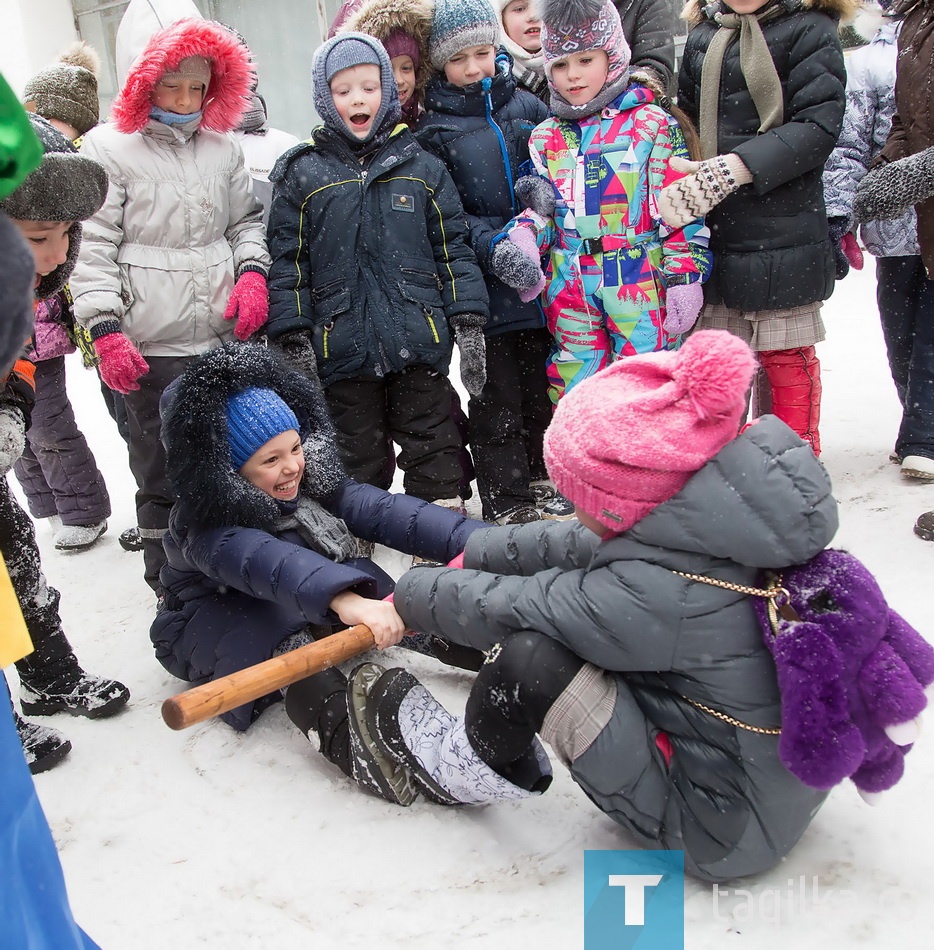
[523,514]
[558,509]
[414,729]
[918,466]
[543,490]
[43,747]
[130,539]
[795,384]
[62,686]
[924,526]
[372,768]
[78,537]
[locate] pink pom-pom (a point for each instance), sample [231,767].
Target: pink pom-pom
[715,368]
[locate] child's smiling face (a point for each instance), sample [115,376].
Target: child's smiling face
[580,76]
[403,69]
[357,95]
[523,25]
[276,467]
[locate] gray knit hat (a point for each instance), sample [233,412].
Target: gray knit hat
[67,90]
[342,52]
[65,187]
[17,276]
[458,24]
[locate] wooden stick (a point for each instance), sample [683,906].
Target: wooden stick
[226,693]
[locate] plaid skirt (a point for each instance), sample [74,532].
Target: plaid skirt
[788,329]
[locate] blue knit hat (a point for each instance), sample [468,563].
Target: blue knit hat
[458,24]
[254,416]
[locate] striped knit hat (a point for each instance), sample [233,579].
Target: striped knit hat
[458,24]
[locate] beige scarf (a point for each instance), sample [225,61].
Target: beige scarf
[757,67]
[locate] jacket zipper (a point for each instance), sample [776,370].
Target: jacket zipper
[486,84]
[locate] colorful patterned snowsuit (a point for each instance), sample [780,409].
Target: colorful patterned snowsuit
[611,256]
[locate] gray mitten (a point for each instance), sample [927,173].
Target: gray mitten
[513,266]
[536,193]
[889,190]
[468,332]
[297,348]
[12,437]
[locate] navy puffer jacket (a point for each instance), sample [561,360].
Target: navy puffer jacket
[481,132]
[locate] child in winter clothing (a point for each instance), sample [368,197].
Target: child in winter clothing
[371,274]
[522,39]
[769,110]
[657,690]
[57,471]
[402,26]
[904,294]
[619,281]
[47,207]
[175,261]
[260,554]
[478,122]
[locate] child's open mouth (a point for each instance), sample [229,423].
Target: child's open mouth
[288,488]
[533,32]
[359,120]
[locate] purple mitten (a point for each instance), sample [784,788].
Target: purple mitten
[682,307]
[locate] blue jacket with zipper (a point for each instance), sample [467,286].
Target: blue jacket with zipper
[481,132]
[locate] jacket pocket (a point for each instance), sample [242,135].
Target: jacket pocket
[332,301]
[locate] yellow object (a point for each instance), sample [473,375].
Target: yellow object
[14,637]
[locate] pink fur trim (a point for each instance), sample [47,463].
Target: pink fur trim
[232,74]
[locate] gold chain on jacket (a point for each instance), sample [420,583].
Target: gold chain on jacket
[778,604]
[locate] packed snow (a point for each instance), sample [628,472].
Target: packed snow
[210,838]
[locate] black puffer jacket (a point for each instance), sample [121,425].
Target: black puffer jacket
[649,27]
[770,240]
[482,136]
[373,259]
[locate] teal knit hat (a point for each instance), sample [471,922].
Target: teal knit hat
[254,416]
[458,24]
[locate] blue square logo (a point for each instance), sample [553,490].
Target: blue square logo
[634,899]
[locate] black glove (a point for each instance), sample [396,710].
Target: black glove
[889,190]
[513,266]
[468,332]
[299,353]
[837,228]
[536,193]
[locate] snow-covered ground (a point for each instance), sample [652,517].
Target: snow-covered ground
[209,838]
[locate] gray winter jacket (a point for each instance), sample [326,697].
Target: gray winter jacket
[870,105]
[670,643]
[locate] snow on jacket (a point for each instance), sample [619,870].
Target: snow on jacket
[180,222]
[373,260]
[631,142]
[913,123]
[481,133]
[763,502]
[769,238]
[230,542]
[649,27]
[870,105]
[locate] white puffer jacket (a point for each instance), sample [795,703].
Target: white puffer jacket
[180,222]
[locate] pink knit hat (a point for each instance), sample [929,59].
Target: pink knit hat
[631,436]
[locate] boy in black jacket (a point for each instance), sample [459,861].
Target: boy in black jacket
[479,123]
[372,276]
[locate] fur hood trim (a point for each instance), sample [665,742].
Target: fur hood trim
[696,11]
[232,75]
[208,490]
[381,18]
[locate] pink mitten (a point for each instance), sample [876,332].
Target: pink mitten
[248,304]
[121,364]
[524,239]
[852,251]
[458,561]
[683,305]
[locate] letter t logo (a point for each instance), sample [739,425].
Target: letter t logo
[635,885]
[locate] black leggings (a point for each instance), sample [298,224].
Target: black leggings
[512,695]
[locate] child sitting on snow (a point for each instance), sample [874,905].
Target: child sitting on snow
[261,548]
[612,639]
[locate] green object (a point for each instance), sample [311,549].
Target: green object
[20,150]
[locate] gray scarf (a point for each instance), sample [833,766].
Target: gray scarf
[320,530]
[757,67]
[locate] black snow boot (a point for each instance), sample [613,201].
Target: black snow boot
[43,747]
[62,686]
